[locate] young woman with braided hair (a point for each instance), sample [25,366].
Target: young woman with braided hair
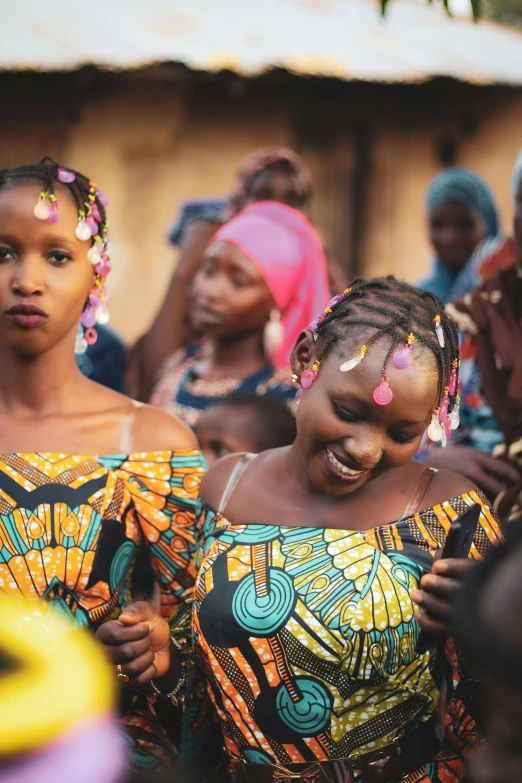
[87,477]
[315,555]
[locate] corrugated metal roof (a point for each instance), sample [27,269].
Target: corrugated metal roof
[341,38]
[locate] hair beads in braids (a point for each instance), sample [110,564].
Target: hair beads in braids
[92,227]
[384,307]
[47,172]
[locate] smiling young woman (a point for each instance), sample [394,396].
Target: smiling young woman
[315,557]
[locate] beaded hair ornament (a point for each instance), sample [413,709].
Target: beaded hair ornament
[92,227]
[445,418]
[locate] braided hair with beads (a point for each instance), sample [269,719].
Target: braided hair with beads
[92,227]
[389,308]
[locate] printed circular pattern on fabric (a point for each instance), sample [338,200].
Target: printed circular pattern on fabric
[262,615]
[311,713]
[254,756]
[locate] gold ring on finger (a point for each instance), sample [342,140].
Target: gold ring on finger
[121,676]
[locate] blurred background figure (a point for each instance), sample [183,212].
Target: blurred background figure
[461,214]
[262,281]
[57,701]
[244,422]
[489,320]
[105,362]
[268,174]
[489,633]
[271,174]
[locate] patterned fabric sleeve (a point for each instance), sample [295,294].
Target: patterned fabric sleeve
[164,488]
[164,492]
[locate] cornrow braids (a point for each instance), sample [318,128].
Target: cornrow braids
[92,227]
[384,307]
[47,171]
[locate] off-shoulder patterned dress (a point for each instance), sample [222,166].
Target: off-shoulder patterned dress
[70,527]
[306,638]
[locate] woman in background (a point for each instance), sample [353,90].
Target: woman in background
[491,346]
[461,214]
[263,277]
[268,174]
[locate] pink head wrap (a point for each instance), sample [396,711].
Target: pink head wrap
[287,250]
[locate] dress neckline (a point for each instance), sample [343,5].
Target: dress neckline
[473,496]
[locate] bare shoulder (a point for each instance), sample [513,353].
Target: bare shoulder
[445,485]
[215,481]
[158,430]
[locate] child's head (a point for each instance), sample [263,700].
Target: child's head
[244,422]
[53,257]
[376,368]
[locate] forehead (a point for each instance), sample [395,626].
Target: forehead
[230,255]
[18,199]
[279,174]
[414,388]
[454,210]
[222,419]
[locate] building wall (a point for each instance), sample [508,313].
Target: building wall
[153,140]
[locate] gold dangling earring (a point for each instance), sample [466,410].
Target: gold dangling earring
[273,335]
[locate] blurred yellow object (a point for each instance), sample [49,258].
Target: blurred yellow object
[53,677]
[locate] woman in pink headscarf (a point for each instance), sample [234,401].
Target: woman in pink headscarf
[263,279]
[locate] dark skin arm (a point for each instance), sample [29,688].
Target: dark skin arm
[492,475]
[139,640]
[166,335]
[436,598]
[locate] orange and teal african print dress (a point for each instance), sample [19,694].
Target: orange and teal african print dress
[306,638]
[70,527]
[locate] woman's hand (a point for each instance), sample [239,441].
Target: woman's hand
[492,475]
[437,596]
[139,641]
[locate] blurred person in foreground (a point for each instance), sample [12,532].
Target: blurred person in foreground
[268,174]
[244,423]
[461,214]
[489,320]
[488,630]
[262,279]
[57,701]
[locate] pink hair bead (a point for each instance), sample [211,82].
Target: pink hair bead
[66,176]
[382,394]
[309,376]
[402,358]
[88,318]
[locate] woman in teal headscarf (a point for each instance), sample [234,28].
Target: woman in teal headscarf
[461,214]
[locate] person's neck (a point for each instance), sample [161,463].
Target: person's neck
[238,356]
[41,385]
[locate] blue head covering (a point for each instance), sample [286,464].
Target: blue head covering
[464,187]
